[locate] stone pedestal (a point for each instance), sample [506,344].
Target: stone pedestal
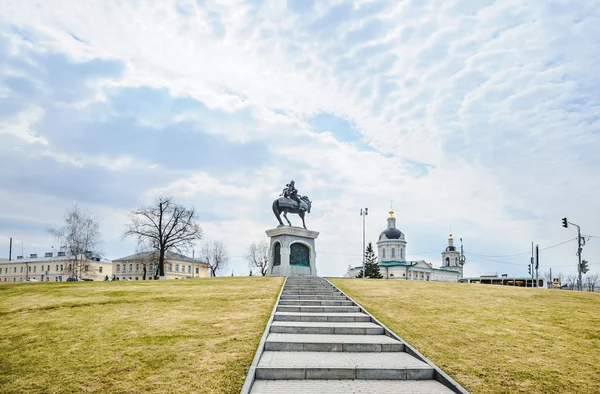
[292,252]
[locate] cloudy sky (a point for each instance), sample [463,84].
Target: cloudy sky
[480,115]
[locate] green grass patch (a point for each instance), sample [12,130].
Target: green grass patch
[176,336]
[493,339]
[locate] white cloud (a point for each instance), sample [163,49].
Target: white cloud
[23,126]
[501,98]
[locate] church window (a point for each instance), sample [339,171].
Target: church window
[447,261]
[393,252]
[383,253]
[401,254]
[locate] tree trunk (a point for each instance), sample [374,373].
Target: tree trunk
[161,263]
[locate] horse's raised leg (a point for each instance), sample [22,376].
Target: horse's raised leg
[286,218]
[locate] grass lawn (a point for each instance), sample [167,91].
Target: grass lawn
[176,336]
[493,339]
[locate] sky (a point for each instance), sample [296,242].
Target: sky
[478,116]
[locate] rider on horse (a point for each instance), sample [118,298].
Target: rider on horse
[291,192]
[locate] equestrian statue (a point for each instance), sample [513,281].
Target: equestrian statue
[290,201]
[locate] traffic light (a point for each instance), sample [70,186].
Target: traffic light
[584,267]
[529,268]
[565,224]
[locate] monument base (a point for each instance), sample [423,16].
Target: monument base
[292,251]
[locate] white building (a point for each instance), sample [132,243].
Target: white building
[391,257]
[53,268]
[145,264]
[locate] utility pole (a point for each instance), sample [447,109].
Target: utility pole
[537,264]
[580,244]
[461,259]
[531,263]
[364,214]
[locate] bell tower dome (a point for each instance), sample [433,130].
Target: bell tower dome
[451,256]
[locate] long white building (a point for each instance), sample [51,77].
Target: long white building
[53,267]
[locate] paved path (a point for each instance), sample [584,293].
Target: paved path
[320,341]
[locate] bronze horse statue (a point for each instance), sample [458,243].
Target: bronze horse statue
[286,204]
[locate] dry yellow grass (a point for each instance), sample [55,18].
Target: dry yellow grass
[493,339]
[179,336]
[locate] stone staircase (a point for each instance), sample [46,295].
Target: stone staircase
[320,341]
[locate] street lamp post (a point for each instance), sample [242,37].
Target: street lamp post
[580,244]
[364,213]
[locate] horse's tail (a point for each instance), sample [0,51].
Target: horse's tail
[276,208]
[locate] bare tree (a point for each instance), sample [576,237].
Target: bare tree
[571,281]
[257,256]
[163,226]
[149,260]
[547,276]
[216,256]
[80,239]
[349,273]
[591,281]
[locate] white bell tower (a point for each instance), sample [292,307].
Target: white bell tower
[451,257]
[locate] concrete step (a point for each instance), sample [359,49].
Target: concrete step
[317,309]
[341,365]
[296,279]
[311,297]
[332,343]
[321,293]
[349,387]
[317,302]
[322,317]
[308,285]
[293,327]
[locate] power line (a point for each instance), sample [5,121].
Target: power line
[496,261]
[524,253]
[546,266]
[358,255]
[558,244]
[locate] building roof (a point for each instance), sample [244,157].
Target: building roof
[442,269]
[500,277]
[168,256]
[396,263]
[391,233]
[32,260]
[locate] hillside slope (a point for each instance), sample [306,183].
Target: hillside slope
[179,336]
[493,339]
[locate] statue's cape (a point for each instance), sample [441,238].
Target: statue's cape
[289,203]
